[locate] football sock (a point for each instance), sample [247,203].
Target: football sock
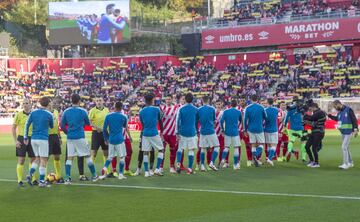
[33,169]
[179,156]
[108,169]
[57,166]
[303,151]
[224,154]
[93,158]
[19,172]
[254,153]
[182,158]
[215,154]
[248,152]
[152,159]
[42,171]
[140,158]
[259,150]
[113,164]
[285,148]
[159,160]
[202,156]
[209,156]
[191,158]
[198,156]
[127,158]
[236,156]
[278,146]
[163,159]
[81,165]
[173,154]
[121,165]
[290,147]
[272,152]
[91,166]
[68,168]
[146,163]
[107,164]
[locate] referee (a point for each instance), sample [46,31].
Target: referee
[18,135]
[97,118]
[55,139]
[348,126]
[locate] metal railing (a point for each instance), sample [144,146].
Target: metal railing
[216,23]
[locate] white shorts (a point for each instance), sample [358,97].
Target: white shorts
[118,150]
[257,138]
[79,147]
[151,142]
[209,141]
[232,141]
[272,138]
[188,142]
[40,147]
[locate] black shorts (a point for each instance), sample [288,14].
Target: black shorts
[97,140]
[54,145]
[21,152]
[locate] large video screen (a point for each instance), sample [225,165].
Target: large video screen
[90,22]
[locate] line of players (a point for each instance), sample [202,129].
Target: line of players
[179,128]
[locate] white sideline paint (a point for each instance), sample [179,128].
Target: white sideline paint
[208,191]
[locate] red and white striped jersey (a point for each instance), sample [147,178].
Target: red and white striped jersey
[281,119]
[169,119]
[125,135]
[217,122]
[242,110]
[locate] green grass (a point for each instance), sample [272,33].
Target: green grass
[94,203]
[61,24]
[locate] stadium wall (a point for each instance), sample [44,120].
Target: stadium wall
[30,65]
[219,60]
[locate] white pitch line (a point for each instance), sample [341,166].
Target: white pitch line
[209,191]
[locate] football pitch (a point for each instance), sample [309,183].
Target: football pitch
[287,192]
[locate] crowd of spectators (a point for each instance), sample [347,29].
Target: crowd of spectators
[193,75]
[313,8]
[113,83]
[271,11]
[313,75]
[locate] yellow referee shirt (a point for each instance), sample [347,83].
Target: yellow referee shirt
[20,120]
[55,130]
[97,117]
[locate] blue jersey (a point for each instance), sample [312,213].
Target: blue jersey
[296,120]
[41,121]
[255,116]
[113,128]
[207,120]
[187,121]
[232,118]
[149,118]
[271,124]
[106,26]
[90,24]
[75,118]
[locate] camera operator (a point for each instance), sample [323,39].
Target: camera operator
[317,122]
[348,126]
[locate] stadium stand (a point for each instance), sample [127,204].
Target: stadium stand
[192,75]
[265,12]
[312,76]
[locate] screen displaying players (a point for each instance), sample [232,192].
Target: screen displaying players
[93,22]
